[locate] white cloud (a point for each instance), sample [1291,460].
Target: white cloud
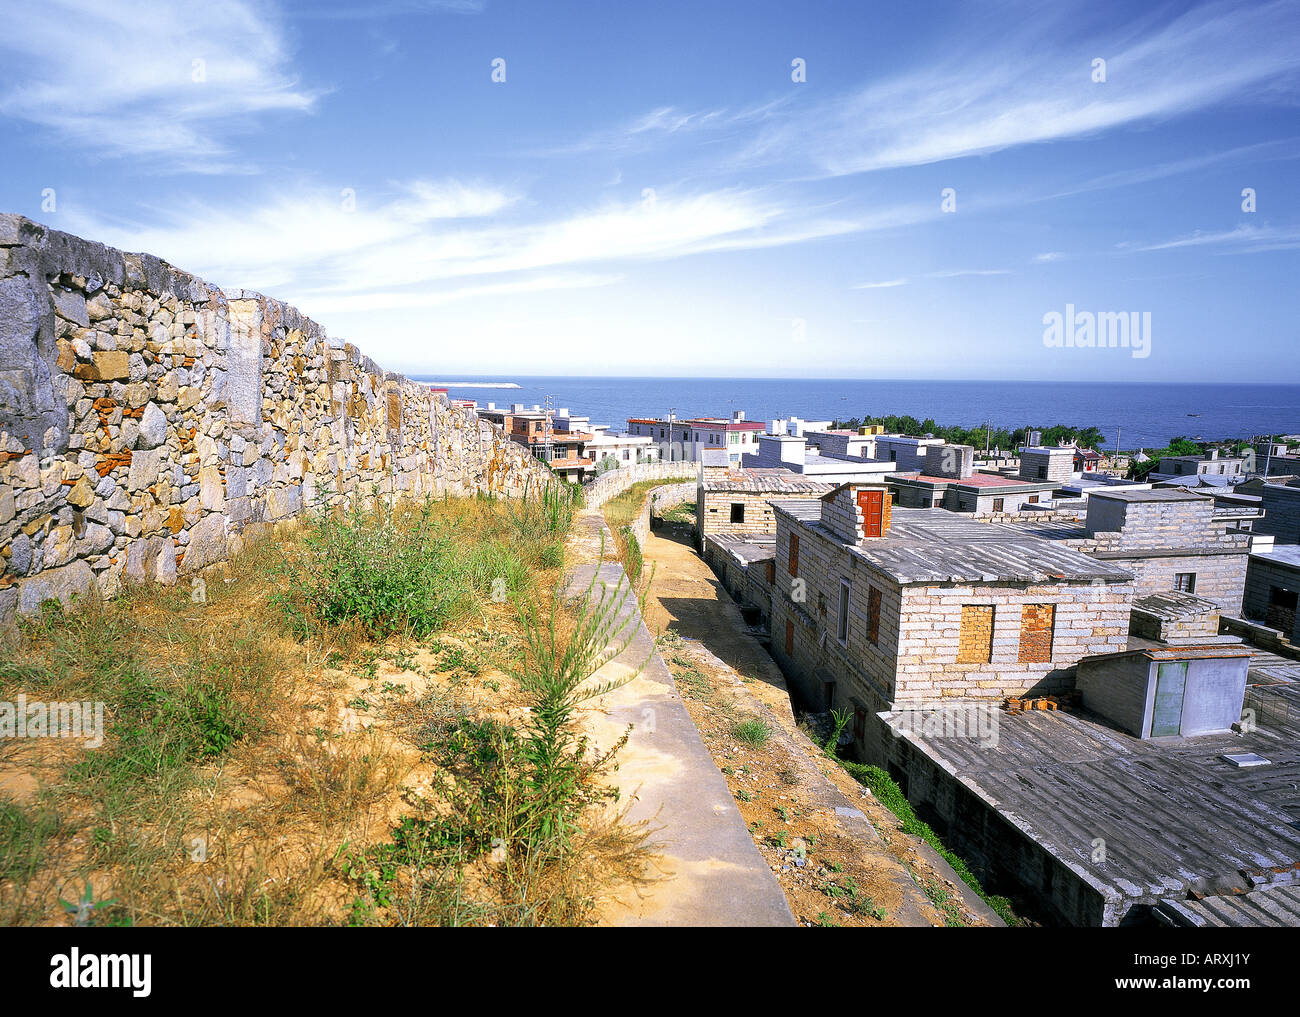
[308,244]
[119,78]
[1242,239]
[951,273]
[371,302]
[1049,256]
[1026,88]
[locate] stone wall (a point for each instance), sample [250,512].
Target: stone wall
[150,422]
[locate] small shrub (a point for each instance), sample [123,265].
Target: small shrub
[753,732]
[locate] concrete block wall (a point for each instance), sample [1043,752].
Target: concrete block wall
[1057,465]
[1261,576]
[916,655]
[1281,505]
[151,422]
[1219,577]
[714,512]
[1088,619]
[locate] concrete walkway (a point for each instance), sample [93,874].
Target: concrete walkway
[707,871]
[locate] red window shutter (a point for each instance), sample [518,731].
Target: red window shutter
[873,615]
[793,563]
[789,638]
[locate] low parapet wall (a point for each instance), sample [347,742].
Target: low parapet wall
[607,485]
[150,422]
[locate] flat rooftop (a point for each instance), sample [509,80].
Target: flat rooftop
[746,550]
[1155,494]
[1281,554]
[986,480]
[1173,605]
[928,546]
[1174,814]
[764,480]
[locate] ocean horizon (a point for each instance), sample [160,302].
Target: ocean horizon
[1145,414]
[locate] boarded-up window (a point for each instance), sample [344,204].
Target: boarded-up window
[789,638]
[793,563]
[975,644]
[997,504]
[873,615]
[769,571]
[1036,633]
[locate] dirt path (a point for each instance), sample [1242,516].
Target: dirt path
[837,852]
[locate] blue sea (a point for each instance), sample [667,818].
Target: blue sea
[1145,415]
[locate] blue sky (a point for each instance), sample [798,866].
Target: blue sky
[650,192]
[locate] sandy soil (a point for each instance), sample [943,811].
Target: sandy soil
[837,852]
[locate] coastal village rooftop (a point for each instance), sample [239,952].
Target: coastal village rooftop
[934,546]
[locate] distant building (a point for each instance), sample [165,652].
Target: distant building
[797,427]
[908,454]
[625,449]
[982,494]
[783,451]
[1047,462]
[842,442]
[687,439]
[1230,468]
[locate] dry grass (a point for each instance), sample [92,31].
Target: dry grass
[252,775]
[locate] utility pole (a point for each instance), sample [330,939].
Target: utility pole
[546,430]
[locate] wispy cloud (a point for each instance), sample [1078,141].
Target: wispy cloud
[1240,240]
[1027,88]
[384,9]
[1047,257]
[327,250]
[951,273]
[147,78]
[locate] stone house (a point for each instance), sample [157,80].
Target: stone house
[876,607]
[1169,539]
[1046,462]
[738,501]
